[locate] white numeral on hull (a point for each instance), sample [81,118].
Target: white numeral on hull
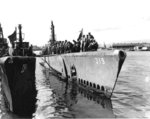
[99,60]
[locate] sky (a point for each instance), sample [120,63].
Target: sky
[110,21]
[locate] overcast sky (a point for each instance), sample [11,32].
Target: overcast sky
[108,20]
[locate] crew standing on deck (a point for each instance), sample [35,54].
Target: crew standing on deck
[84,43]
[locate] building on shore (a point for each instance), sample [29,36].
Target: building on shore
[132,46]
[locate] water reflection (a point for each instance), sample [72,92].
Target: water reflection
[66,99]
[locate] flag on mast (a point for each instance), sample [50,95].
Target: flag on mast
[13,36]
[80,35]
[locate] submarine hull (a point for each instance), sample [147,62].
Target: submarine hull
[98,71]
[18,84]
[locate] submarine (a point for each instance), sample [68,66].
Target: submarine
[97,70]
[17,76]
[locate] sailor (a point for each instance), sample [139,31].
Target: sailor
[52,48]
[69,47]
[82,46]
[74,46]
[57,47]
[62,47]
[30,51]
[84,43]
[65,46]
[90,36]
[87,42]
[93,46]
[78,46]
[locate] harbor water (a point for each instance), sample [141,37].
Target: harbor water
[57,98]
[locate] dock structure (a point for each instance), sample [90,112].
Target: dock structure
[131,46]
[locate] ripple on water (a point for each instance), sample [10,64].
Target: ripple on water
[130,99]
[132,92]
[58,99]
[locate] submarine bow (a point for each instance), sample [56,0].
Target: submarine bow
[18,84]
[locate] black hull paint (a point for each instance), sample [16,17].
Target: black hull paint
[18,83]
